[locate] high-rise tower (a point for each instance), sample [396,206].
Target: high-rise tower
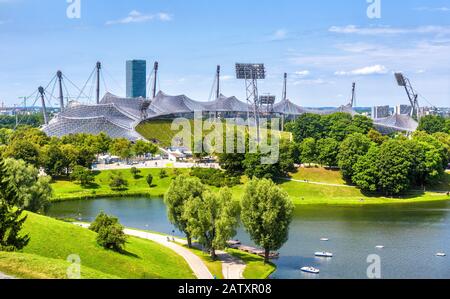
[136,78]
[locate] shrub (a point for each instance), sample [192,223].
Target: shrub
[215,177]
[110,232]
[117,182]
[82,175]
[149,180]
[163,174]
[135,172]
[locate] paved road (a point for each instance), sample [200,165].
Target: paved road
[232,268]
[4,276]
[198,267]
[318,183]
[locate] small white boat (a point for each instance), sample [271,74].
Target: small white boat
[441,254]
[324,254]
[311,270]
[324,239]
[379,247]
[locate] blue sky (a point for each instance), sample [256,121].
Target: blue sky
[324,45]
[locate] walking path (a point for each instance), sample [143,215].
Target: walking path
[4,276]
[198,267]
[318,183]
[232,268]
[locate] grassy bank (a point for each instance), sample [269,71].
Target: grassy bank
[300,193]
[255,269]
[52,241]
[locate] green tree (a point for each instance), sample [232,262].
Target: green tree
[181,190]
[266,212]
[377,137]
[353,147]
[82,175]
[307,126]
[365,171]
[233,163]
[163,174]
[122,148]
[255,168]
[117,182]
[110,234]
[327,152]
[149,180]
[141,148]
[135,172]
[308,151]
[432,124]
[361,124]
[212,219]
[23,149]
[33,192]
[53,160]
[337,125]
[11,215]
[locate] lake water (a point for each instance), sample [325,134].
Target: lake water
[411,234]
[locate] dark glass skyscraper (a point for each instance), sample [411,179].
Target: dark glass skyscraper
[136,78]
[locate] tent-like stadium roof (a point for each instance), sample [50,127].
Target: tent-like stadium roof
[396,123]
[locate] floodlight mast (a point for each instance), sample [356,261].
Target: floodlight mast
[353,100]
[61,95]
[251,73]
[218,83]
[44,108]
[156,67]
[284,98]
[412,95]
[98,67]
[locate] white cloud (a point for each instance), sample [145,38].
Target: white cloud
[302,73]
[365,71]
[226,78]
[433,9]
[280,34]
[387,30]
[137,17]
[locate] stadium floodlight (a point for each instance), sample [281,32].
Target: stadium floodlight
[267,100]
[400,79]
[255,71]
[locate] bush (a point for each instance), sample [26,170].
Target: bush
[135,172]
[215,177]
[117,182]
[82,175]
[163,174]
[110,232]
[149,180]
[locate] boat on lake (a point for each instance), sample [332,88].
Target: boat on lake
[324,239]
[310,270]
[324,254]
[441,254]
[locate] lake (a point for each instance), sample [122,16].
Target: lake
[412,234]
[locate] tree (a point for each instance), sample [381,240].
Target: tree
[117,182]
[122,148]
[308,151]
[307,126]
[141,148]
[353,147]
[23,149]
[337,125]
[149,180]
[110,234]
[266,212]
[432,124]
[212,219]
[233,163]
[53,160]
[394,167]
[181,190]
[327,152]
[377,137]
[135,172]
[33,192]
[163,174]
[11,215]
[361,124]
[255,168]
[82,175]
[365,171]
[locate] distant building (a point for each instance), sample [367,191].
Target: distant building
[380,112]
[403,109]
[136,78]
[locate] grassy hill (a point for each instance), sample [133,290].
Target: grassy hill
[52,241]
[161,131]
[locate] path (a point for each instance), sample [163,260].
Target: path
[232,267]
[198,267]
[318,183]
[4,276]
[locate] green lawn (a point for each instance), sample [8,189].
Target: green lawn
[52,241]
[64,189]
[215,267]
[255,269]
[300,193]
[161,131]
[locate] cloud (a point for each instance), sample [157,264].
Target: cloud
[137,17]
[387,30]
[433,9]
[280,34]
[226,78]
[302,73]
[365,71]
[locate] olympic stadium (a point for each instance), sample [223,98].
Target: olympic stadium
[118,116]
